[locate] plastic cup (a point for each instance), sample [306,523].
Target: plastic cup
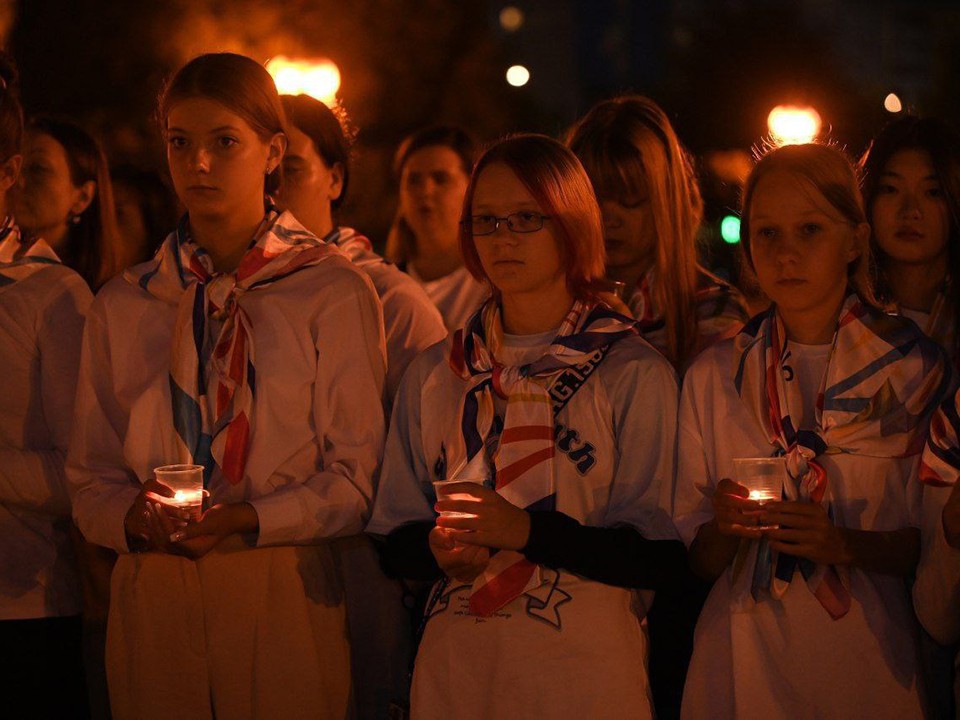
[763,477]
[441,489]
[186,481]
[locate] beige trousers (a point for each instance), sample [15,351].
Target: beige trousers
[240,634]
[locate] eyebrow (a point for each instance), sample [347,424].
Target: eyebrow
[807,213]
[214,130]
[891,173]
[525,205]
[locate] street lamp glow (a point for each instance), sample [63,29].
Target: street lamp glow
[511,18]
[518,75]
[319,78]
[891,103]
[792,125]
[730,229]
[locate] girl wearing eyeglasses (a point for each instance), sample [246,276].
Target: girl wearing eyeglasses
[550,467]
[652,209]
[808,615]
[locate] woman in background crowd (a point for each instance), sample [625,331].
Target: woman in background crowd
[808,614]
[252,349]
[65,197]
[652,210]
[146,209]
[433,167]
[42,304]
[912,189]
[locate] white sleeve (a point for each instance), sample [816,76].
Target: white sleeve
[102,487]
[412,324]
[936,592]
[644,400]
[59,337]
[693,490]
[348,416]
[405,478]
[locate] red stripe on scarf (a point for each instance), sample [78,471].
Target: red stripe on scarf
[510,473]
[456,354]
[833,595]
[929,476]
[502,589]
[526,432]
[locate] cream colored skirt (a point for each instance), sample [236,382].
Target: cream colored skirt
[239,634]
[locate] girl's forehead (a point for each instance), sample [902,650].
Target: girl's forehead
[202,113]
[785,194]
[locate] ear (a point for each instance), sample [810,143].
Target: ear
[861,237]
[9,172]
[336,181]
[85,195]
[278,146]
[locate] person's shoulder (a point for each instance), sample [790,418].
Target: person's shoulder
[635,359]
[718,357]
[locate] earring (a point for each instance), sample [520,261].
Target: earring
[75,219]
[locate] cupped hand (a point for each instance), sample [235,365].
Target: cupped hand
[458,560]
[197,539]
[487,518]
[805,530]
[149,522]
[735,514]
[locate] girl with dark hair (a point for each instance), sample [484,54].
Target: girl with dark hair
[66,197]
[911,184]
[42,304]
[250,350]
[432,167]
[316,174]
[528,421]
[146,208]
[808,614]
[652,210]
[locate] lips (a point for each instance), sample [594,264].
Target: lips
[791,282]
[908,233]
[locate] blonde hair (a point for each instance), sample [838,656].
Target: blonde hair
[629,147]
[831,174]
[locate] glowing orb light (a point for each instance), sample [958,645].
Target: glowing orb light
[319,78]
[730,229]
[511,18]
[891,103]
[518,75]
[791,125]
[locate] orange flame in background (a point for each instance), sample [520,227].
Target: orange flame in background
[793,125]
[319,77]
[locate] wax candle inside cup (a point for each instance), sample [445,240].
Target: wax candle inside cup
[763,477]
[440,487]
[186,481]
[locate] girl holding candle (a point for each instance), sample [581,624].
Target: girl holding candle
[912,190]
[42,304]
[433,166]
[652,210]
[316,174]
[810,617]
[538,398]
[252,348]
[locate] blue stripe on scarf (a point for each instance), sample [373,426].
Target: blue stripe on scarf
[832,402]
[187,420]
[473,442]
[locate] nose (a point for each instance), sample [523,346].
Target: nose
[201,160]
[611,218]
[787,250]
[909,206]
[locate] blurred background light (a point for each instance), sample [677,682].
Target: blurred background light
[318,77]
[730,229]
[511,18]
[792,125]
[518,75]
[891,103]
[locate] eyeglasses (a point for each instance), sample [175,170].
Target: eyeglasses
[518,222]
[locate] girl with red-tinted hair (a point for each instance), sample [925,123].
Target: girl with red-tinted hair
[251,348]
[553,423]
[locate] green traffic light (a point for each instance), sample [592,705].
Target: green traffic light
[730,229]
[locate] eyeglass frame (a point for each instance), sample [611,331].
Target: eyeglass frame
[468,223]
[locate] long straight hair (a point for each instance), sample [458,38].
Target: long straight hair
[629,149]
[94,247]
